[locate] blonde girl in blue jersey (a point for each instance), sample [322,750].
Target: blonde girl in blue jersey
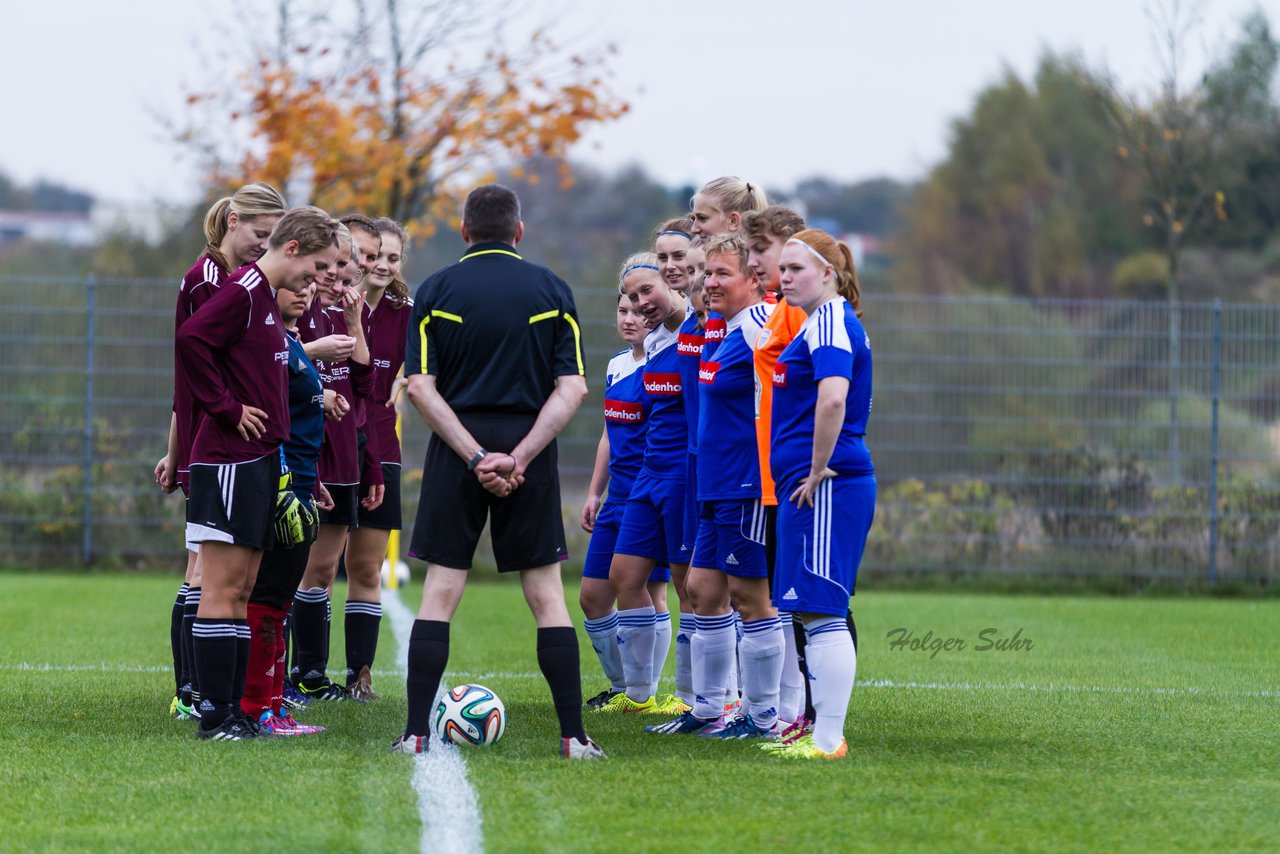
[825,479]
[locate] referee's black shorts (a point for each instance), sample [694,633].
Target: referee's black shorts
[526,526]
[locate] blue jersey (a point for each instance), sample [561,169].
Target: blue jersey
[666,440]
[831,343]
[306,418]
[729,462]
[626,409]
[689,348]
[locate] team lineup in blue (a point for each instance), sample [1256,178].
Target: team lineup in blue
[732,466]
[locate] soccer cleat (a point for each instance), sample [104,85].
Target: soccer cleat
[361,690]
[327,692]
[571,748]
[231,729]
[303,729]
[183,712]
[790,734]
[686,724]
[670,704]
[293,698]
[173,706]
[600,699]
[743,726]
[804,748]
[624,704]
[411,745]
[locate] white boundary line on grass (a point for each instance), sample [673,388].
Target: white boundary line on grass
[447,802]
[1030,687]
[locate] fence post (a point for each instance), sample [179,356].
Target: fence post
[86,520]
[1216,391]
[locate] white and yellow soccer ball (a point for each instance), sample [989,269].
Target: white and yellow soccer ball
[470,714]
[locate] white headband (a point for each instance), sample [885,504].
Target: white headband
[814,252]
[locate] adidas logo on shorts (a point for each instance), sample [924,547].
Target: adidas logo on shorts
[731,560]
[790,594]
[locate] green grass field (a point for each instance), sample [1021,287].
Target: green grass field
[1128,724]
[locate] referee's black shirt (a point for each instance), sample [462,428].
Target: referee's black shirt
[495,331]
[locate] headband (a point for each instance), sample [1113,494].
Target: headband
[639,267]
[814,252]
[683,234]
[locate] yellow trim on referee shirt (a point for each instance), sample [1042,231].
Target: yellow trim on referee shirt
[490,252]
[577,342]
[444,315]
[546,315]
[422,338]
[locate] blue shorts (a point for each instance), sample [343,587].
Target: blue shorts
[603,540]
[690,506]
[653,523]
[820,547]
[731,535]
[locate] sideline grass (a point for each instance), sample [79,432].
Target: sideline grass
[1151,726]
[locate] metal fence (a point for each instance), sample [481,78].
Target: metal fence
[1017,436]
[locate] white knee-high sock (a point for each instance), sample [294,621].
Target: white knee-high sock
[661,646]
[604,640]
[713,659]
[733,687]
[791,692]
[833,664]
[684,657]
[762,651]
[635,641]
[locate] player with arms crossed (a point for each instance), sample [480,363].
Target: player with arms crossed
[824,474]
[494,362]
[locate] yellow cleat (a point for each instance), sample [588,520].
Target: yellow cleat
[804,748]
[670,704]
[624,704]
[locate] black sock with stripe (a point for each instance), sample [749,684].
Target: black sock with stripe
[192,604]
[361,623]
[214,643]
[175,639]
[310,636]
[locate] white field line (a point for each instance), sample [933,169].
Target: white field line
[1030,687]
[447,802]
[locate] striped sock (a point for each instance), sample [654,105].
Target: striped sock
[713,657]
[791,688]
[635,641]
[361,621]
[175,638]
[684,656]
[604,640]
[661,646]
[310,636]
[189,608]
[214,644]
[833,665]
[763,649]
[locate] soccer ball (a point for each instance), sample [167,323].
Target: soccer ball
[402,573]
[470,714]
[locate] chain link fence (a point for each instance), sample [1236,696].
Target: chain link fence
[1018,436]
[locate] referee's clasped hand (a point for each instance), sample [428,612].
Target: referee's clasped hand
[500,474]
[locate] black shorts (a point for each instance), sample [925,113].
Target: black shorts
[526,527]
[279,575]
[770,539]
[346,505]
[234,503]
[387,515]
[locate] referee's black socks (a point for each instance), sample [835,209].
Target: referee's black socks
[428,655]
[558,658]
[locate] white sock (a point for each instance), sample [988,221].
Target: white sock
[684,657]
[762,652]
[832,667]
[791,690]
[604,640]
[713,657]
[733,686]
[635,641]
[661,646]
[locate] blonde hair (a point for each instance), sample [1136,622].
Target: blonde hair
[642,260]
[398,288]
[344,234]
[249,202]
[734,195]
[838,254]
[733,245]
[314,230]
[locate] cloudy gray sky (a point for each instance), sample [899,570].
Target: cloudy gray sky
[773,91]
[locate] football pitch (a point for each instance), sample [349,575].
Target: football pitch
[978,722]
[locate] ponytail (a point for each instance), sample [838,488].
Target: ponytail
[215,228]
[847,278]
[838,254]
[249,202]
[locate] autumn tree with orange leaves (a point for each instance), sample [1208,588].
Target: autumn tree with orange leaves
[397,109]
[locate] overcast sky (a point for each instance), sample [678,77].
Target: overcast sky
[771,91]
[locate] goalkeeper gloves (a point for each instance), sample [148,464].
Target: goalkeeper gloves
[296,519]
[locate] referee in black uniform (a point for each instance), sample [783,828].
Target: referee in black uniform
[494,362]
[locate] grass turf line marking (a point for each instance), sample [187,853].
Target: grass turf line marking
[1050,688]
[447,802]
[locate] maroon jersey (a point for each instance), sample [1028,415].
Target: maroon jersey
[233,353]
[386,346]
[339,461]
[199,284]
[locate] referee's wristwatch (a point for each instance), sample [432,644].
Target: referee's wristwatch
[476,458]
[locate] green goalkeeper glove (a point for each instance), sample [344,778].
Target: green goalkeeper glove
[296,520]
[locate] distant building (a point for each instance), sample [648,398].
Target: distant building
[69,229]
